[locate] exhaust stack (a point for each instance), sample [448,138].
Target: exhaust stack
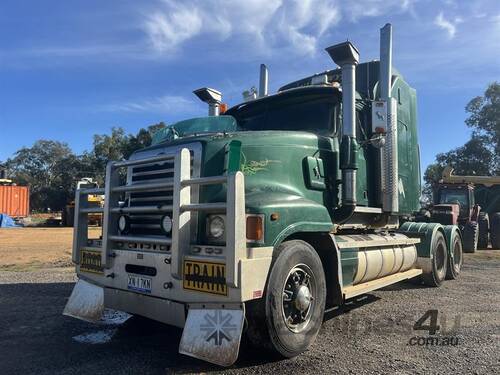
[389,168]
[263,81]
[346,56]
[212,97]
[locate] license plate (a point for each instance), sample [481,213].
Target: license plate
[90,261]
[207,277]
[139,283]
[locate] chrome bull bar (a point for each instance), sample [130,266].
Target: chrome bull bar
[181,208]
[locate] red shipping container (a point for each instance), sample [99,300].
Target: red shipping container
[15,201]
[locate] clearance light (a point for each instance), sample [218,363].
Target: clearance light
[255,228]
[223,108]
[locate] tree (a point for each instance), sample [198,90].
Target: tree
[51,169]
[117,146]
[142,139]
[481,154]
[484,118]
[40,167]
[473,158]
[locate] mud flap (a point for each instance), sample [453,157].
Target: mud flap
[86,302]
[213,334]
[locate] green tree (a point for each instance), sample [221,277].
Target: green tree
[41,167]
[51,169]
[473,158]
[116,146]
[484,118]
[142,139]
[481,154]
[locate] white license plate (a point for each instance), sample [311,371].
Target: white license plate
[139,283]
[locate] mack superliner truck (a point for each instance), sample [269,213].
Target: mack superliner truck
[256,220]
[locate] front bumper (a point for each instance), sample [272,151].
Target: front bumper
[212,332]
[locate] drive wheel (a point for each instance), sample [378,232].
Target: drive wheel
[456,260]
[470,237]
[439,262]
[495,231]
[294,301]
[484,229]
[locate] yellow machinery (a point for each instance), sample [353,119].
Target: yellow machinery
[68,215]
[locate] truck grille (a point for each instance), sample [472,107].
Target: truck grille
[148,224]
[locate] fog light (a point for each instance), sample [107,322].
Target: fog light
[166,224]
[216,226]
[124,224]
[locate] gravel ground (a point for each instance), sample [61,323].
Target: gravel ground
[371,335]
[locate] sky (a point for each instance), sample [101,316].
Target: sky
[72,69]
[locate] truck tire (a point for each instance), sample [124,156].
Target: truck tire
[484,229]
[439,262]
[456,260]
[294,302]
[495,231]
[470,237]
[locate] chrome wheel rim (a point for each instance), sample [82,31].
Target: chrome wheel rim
[298,298]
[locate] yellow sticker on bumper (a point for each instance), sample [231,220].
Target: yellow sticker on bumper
[207,277]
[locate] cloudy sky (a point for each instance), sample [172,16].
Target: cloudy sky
[70,69]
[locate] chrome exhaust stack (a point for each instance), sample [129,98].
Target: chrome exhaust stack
[212,97]
[263,81]
[346,56]
[389,159]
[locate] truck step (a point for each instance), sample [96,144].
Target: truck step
[356,290]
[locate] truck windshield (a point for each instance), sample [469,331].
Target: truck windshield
[453,196]
[201,125]
[313,110]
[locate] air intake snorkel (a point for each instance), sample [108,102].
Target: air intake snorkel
[346,56]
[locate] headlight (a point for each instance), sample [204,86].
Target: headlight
[216,226]
[166,224]
[124,224]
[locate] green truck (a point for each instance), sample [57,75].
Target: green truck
[256,220]
[472,203]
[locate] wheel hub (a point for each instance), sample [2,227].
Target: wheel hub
[302,298]
[298,297]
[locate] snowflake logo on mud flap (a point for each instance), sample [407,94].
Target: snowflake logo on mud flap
[218,327]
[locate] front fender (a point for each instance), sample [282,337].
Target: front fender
[294,214]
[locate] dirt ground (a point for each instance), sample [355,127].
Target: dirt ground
[23,249]
[373,334]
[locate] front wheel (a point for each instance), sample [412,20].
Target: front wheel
[294,301]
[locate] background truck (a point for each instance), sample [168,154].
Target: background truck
[268,213]
[94,200]
[476,199]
